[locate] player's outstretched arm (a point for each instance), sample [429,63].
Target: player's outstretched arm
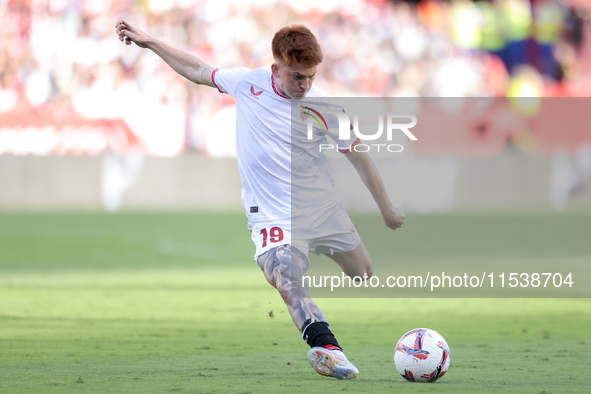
[393,217]
[187,65]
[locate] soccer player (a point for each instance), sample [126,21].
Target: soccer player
[264,152]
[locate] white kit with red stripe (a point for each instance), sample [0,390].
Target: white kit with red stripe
[275,159]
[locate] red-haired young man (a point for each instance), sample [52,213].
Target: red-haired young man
[264,152]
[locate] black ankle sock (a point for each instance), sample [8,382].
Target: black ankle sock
[318,334]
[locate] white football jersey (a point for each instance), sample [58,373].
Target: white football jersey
[273,158]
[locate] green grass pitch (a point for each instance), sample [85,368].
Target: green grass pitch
[163,302]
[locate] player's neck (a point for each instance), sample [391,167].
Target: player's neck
[279,89]
[283,93]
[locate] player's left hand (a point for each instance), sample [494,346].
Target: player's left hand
[394,219]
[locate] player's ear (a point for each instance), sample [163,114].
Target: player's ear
[275,69]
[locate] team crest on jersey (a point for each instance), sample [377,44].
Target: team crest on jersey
[309,112]
[254,94]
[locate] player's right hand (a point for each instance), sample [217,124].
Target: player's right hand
[128,34]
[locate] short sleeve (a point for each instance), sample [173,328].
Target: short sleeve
[344,145]
[226,80]
[323,112]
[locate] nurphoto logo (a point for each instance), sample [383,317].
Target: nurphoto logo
[345,128]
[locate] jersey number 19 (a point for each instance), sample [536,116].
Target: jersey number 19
[275,234]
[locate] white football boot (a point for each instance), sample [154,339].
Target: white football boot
[332,363]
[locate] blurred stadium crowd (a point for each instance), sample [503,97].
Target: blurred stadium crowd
[63,57]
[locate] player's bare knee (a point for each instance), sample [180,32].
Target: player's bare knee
[360,274]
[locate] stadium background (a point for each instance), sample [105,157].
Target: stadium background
[88,123]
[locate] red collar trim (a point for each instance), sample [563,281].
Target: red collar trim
[275,89]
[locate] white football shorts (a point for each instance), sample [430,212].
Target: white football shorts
[323,233]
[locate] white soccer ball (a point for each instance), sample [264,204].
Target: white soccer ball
[422,355]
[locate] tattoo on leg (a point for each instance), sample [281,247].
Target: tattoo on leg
[284,267]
